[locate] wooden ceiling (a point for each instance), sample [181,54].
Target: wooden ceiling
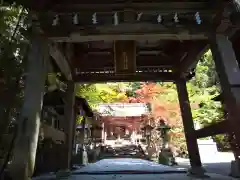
[169,35]
[159,60]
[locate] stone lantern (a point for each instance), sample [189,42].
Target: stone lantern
[147,132]
[166,156]
[163,129]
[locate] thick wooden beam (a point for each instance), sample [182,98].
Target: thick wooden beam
[190,58]
[191,139]
[161,7]
[103,50]
[235,12]
[69,117]
[213,129]
[24,151]
[236,44]
[78,37]
[111,77]
[100,61]
[60,60]
[229,75]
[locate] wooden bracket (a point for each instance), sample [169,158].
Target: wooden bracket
[191,57]
[60,60]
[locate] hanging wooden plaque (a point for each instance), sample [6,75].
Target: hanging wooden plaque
[125,57]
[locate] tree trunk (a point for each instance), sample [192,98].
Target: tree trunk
[24,151]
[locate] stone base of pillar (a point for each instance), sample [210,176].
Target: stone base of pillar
[198,172]
[235,169]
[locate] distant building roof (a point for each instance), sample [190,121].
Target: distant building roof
[123,109]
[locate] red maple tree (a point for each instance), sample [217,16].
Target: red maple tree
[148,93]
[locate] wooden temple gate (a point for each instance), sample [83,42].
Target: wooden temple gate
[100,41]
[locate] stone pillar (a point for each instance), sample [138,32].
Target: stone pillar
[229,75]
[69,119]
[191,140]
[26,141]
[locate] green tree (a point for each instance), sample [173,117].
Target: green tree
[132,87]
[13,48]
[101,93]
[202,89]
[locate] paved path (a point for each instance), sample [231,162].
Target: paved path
[219,164]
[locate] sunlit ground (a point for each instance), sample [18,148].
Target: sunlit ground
[220,163]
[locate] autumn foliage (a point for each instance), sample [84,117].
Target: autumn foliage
[149,93]
[153,94]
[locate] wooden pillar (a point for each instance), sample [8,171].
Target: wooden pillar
[189,130]
[103,133]
[26,141]
[83,130]
[229,75]
[82,137]
[69,123]
[234,6]
[74,128]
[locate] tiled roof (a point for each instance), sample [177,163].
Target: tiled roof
[123,109]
